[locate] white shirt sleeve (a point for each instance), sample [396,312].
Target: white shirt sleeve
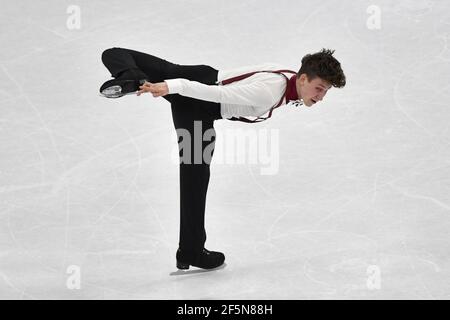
[256,93]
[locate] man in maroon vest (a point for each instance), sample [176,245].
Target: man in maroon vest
[202,94]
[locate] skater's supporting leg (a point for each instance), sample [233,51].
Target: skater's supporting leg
[194,180]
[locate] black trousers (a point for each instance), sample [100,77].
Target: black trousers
[187,113]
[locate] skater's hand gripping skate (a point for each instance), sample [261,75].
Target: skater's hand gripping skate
[156,89]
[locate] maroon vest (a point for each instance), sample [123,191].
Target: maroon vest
[289,94]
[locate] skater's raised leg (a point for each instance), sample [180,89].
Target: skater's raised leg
[130,69]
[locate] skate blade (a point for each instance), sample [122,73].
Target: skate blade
[114,92]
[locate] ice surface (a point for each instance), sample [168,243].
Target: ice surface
[358,209]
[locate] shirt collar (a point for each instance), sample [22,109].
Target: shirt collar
[291,90]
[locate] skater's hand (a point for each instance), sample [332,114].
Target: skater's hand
[156,89]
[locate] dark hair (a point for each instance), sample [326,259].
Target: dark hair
[323,65]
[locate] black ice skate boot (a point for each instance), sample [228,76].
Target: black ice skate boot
[205,260]
[127,82]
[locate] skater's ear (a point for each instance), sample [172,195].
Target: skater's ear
[303,79]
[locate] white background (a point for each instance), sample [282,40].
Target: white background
[363,181]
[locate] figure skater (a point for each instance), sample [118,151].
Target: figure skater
[198,96]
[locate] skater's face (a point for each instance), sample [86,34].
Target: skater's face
[312,91]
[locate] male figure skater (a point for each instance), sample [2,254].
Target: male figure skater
[202,94]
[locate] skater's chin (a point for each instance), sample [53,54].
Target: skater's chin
[308,103]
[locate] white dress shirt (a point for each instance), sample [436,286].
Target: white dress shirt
[253,96]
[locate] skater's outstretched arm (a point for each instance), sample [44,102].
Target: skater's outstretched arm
[257,93]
